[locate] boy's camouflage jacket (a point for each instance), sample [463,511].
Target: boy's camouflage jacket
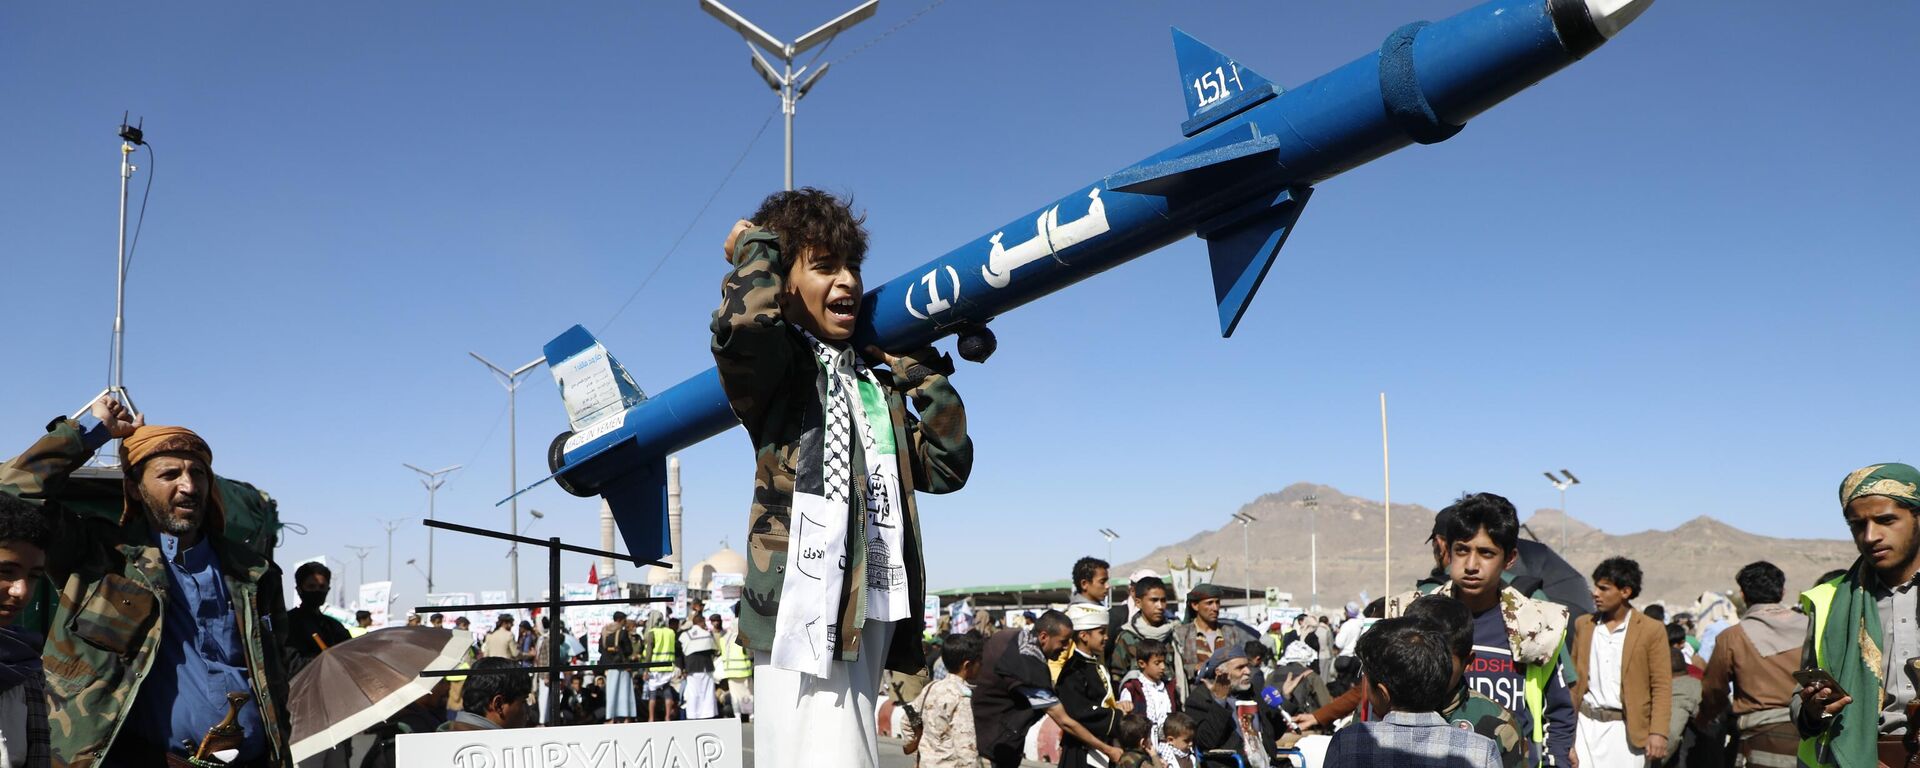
[1472,710]
[773,384]
[112,583]
[1536,629]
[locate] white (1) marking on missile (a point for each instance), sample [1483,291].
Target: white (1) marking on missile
[935,304]
[1049,237]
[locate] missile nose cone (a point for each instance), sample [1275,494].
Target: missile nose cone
[1611,16]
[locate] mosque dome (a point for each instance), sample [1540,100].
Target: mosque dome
[700,576]
[659,575]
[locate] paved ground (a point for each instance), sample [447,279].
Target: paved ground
[891,756]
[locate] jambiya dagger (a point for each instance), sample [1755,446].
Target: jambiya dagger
[1239,181]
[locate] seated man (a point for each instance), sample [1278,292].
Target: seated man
[1232,726]
[495,697]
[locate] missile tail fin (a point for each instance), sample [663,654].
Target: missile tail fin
[1216,87]
[593,386]
[1242,244]
[638,500]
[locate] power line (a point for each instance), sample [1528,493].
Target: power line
[889,33]
[141,222]
[662,261]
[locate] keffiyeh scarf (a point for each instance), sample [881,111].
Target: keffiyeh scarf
[807,631]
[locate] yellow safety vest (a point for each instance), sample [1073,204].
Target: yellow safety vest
[1817,603]
[735,663]
[663,642]
[1535,689]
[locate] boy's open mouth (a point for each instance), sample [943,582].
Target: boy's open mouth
[844,309]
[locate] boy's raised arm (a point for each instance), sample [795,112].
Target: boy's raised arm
[750,343]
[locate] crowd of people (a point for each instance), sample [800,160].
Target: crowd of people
[1464,669]
[165,625]
[1467,669]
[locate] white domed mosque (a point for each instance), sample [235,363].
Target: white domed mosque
[700,576]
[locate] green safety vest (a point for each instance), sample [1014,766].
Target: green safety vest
[663,646]
[1817,603]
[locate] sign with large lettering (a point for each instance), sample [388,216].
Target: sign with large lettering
[683,744]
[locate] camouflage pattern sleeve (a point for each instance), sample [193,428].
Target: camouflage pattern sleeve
[1487,718]
[942,451]
[752,347]
[38,473]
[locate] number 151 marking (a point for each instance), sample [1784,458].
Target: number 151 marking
[1211,87]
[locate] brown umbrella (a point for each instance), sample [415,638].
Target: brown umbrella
[359,683]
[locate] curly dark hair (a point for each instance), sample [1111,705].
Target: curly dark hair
[810,218]
[1761,582]
[21,521]
[1468,515]
[1624,573]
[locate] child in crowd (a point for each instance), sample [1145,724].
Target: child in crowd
[1147,686]
[1175,748]
[23,688]
[1469,709]
[1135,736]
[833,544]
[1409,676]
[940,726]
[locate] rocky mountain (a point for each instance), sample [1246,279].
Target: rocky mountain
[1699,555]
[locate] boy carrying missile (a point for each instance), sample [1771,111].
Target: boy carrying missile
[835,578]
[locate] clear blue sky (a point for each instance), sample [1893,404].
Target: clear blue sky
[1683,268]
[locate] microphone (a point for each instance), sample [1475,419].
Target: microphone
[1272,696]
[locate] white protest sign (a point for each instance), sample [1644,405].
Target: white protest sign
[374,597]
[683,744]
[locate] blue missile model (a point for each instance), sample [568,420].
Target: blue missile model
[1239,181]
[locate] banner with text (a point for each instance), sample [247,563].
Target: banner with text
[690,743]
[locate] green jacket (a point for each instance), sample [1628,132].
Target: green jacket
[771,379]
[112,588]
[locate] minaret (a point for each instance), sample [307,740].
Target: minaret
[673,520]
[606,543]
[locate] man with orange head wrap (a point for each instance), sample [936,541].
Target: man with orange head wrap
[159,616]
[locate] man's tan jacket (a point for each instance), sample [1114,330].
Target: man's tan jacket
[1646,675]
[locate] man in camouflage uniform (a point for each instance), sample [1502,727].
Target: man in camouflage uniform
[159,614]
[788,306]
[1470,709]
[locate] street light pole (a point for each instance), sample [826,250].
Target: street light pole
[1312,504]
[1562,486]
[1108,532]
[391,526]
[1246,552]
[788,82]
[432,481]
[512,382]
[361,552]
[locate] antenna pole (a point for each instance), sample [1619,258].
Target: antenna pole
[115,377]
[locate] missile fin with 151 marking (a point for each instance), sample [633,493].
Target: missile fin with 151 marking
[1239,181]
